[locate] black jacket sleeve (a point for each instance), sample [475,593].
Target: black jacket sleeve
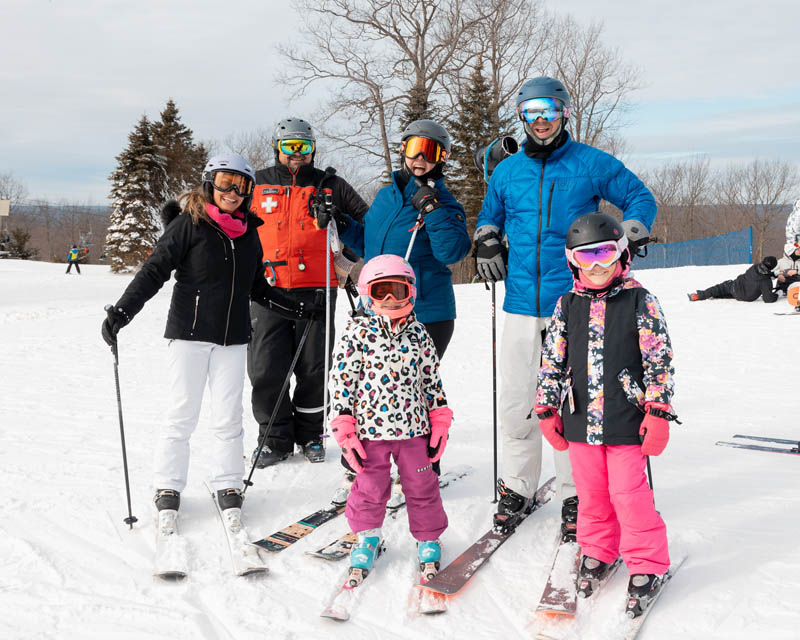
[157,269]
[347,200]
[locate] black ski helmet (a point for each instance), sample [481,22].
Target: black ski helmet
[428,129]
[595,227]
[228,162]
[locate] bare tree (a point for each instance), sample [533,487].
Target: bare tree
[255,146]
[12,189]
[380,60]
[597,78]
[756,194]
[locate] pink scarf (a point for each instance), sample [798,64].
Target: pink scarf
[231,225]
[587,284]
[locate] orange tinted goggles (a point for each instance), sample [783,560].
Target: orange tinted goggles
[379,290]
[432,150]
[226,181]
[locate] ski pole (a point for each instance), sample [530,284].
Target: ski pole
[420,221]
[329,204]
[131,518]
[263,439]
[494,387]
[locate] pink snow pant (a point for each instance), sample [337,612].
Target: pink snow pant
[616,514]
[366,506]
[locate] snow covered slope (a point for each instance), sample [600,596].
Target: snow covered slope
[70,569]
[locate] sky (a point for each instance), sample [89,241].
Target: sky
[720,79]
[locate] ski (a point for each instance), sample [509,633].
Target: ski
[340,606]
[340,547]
[560,595]
[170,561]
[244,557]
[796,443]
[633,626]
[287,536]
[795,451]
[427,602]
[450,580]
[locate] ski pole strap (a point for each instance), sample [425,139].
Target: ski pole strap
[660,413]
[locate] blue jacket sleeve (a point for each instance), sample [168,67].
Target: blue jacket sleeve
[493,210]
[353,236]
[626,191]
[447,229]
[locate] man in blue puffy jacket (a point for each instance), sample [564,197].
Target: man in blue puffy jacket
[533,197]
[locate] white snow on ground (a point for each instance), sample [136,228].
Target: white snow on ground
[70,568]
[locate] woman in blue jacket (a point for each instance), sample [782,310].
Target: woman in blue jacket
[442,239]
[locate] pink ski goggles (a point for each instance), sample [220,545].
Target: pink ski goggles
[603,253]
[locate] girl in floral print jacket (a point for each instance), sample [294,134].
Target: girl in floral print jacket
[605,386]
[387,402]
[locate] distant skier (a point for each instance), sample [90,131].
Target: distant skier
[754,283]
[387,401]
[73,257]
[606,380]
[212,246]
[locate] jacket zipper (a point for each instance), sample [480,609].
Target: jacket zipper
[233,284]
[196,305]
[539,245]
[550,203]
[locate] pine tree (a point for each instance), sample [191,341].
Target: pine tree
[137,194]
[182,159]
[476,124]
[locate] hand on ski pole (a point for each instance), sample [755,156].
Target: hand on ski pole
[426,199]
[116,318]
[655,428]
[343,428]
[440,420]
[552,427]
[490,254]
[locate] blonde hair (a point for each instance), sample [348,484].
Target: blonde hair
[194,203]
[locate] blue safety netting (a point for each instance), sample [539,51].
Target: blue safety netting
[727,248]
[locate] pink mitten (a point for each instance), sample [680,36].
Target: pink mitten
[440,420]
[655,428]
[551,426]
[343,428]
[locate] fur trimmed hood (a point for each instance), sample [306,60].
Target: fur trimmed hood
[169,212]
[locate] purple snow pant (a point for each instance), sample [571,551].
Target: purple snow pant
[366,506]
[616,514]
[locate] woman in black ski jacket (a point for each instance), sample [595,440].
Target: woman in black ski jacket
[213,247]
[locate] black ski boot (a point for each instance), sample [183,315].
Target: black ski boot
[642,588]
[511,508]
[267,458]
[167,499]
[314,451]
[230,499]
[592,573]
[569,519]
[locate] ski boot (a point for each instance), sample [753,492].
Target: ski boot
[397,499]
[314,451]
[230,504]
[343,492]
[167,499]
[363,554]
[511,509]
[642,588]
[267,458]
[569,519]
[429,553]
[592,574]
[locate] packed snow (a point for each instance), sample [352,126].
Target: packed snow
[71,568]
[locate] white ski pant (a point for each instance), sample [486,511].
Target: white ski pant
[520,355]
[191,364]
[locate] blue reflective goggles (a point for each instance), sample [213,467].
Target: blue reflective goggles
[548,109]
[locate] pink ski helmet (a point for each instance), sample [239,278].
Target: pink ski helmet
[387,266]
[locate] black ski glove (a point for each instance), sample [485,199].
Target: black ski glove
[490,254]
[326,210]
[426,199]
[116,318]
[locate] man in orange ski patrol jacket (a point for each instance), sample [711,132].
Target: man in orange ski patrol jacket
[294,259]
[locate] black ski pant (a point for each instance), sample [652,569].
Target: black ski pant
[77,267]
[274,342]
[721,290]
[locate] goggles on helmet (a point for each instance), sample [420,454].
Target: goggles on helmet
[548,109]
[296,145]
[228,181]
[603,253]
[380,290]
[432,150]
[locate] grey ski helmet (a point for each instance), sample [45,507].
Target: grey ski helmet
[429,129]
[595,227]
[228,162]
[543,87]
[292,128]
